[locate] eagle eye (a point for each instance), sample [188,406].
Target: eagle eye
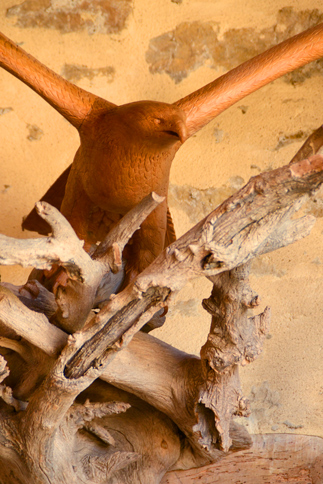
[172,133]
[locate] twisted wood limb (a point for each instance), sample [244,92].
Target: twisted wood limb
[31,326]
[91,280]
[244,226]
[239,229]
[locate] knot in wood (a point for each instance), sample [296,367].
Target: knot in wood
[243,409]
[211,262]
[259,185]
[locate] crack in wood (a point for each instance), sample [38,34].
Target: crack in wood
[94,350]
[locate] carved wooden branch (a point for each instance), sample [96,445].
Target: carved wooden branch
[244,226]
[189,401]
[212,246]
[110,249]
[89,279]
[233,339]
[97,444]
[177,385]
[231,235]
[63,248]
[33,327]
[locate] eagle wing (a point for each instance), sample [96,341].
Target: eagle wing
[54,196]
[206,103]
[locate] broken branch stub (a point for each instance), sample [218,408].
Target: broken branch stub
[89,279]
[33,327]
[110,249]
[234,339]
[215,243]
[63,248]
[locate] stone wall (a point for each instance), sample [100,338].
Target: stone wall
[127,50]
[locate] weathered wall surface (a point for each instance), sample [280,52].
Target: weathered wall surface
[127,50]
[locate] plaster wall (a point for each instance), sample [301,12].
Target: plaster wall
[163,50]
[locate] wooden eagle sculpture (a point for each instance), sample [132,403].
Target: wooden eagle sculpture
[126,151]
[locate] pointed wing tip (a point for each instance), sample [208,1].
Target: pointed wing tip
[34,223]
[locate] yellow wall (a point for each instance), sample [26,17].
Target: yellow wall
[261,132]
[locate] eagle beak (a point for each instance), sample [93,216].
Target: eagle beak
[179,130]
[182,132]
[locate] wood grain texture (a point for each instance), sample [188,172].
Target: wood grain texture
[126,152]
[273,459]
[184,425]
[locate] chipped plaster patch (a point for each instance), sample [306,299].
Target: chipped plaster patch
[185,308]
[263,266]
[314,206]
[182,50]
[35,133]
[287,139]
[5,111]
[74,72]
[193,44]
[6,188]
[94,16]
[197,203]
[264,405]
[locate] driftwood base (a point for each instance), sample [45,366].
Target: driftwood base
[273,459]
[166,409]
